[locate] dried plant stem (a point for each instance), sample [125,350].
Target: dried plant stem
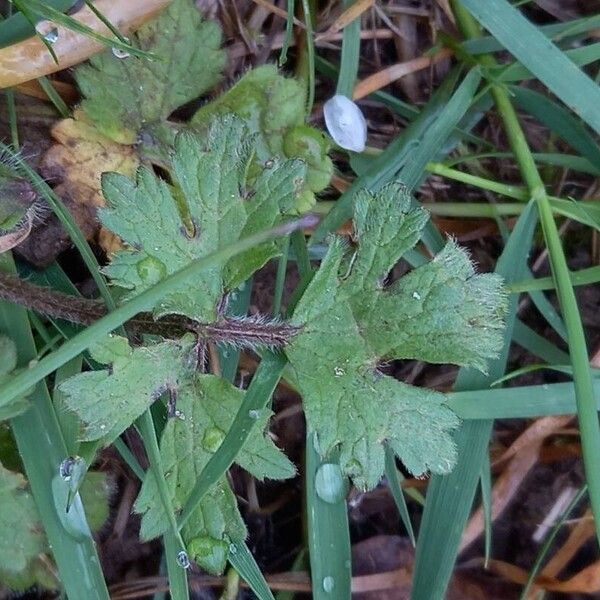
[239,331]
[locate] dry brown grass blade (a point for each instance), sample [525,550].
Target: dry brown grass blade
[393,73]
[30,59]
[504,490]
[352,13]
[538,431]
[278,11]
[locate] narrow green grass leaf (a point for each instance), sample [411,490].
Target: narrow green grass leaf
[392,477]
[554,31]
[486,501]
[559,120]
[42,449]
[327,524]
[178,581]
[350,55]
[449,497]
[581,277]
[16,27]
[538,345]
[518,402]
[54,97]
[524,41]
[243,562]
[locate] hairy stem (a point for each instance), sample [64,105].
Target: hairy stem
[240,331]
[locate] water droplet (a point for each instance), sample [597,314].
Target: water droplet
[345,123]
[242,286]
[330,483]
[232,549]
[180,415]
[47,30]
[120,53]
[212,438]
[328,584]
[338,371]
[151,270]
[102,426]
[183,559]
[416,295]
[65,469]
[254,414]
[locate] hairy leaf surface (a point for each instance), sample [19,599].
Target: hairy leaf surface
[109,400]
[213,206]
[441,312]
[205,410]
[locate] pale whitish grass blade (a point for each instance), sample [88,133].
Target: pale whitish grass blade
[518,402]
[540,56]
[20,383]
[16,27]
[327,525]
[243,562]
[538,345]
[549,540]
[450,497]
[405,158]
[42,449]
[559,120]
[393,478]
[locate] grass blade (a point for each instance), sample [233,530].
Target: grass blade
[243,562]
[449,498]
[533,49]
[42,448]
[391,474]
[327,524]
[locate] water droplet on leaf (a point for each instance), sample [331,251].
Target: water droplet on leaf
[151,270]
[120,53]
[416,295]
[328,584]
[330,483]
[212,438]
[254,414]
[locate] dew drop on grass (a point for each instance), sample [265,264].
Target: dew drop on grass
[330,483]
[120,53]
[416,295]
[212,438]
[183,559]
[151,270]
[47,31]
[328,584]
[254,414]
[232,549]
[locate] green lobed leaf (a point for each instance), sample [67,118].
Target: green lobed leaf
[441,312]
[126,95]
[109,400]
[214,206]
[21,535]
[206,407]
[273,108]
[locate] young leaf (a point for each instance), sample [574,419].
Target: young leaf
[213,206]
[440,312]
[127,95]
[21,535]
[205,410]
[273,108]
[108,401]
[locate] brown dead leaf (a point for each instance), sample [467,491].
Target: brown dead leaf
[77,160]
